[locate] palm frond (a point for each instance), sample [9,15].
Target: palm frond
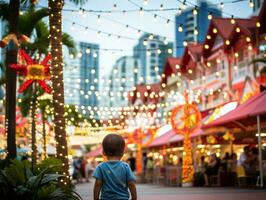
[261,60]
[69,42]
[78,2]
[4,11]
[28,21]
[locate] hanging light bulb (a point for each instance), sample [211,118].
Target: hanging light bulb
[161,7]
[145,2]
[195,11]
[88,50]
[141,12]
[167,22]
[251,3]
[180,28]
[185,43]
[155,17]
[72,26]
[210,16]
[196,32]
[170,51]
[99,18]
[184,6]
[233,21]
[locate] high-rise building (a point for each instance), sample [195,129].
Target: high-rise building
[81,76]
[124,76]
[257,5]
[89,73]
[71,81]
[192,24]
[152,51]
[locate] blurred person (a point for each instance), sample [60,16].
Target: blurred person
[150,167]
[180,162]
[202,166]
[212,168]
[144,161]
[132,162]
[243,159]
[77,171]
[113,177]
[224,162]
[89,168]
[232,163]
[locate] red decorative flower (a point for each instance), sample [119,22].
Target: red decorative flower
[34,72]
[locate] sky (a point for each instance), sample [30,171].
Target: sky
[144,22]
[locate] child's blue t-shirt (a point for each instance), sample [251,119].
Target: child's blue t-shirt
[115,176]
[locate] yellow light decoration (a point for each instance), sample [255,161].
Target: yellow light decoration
[229,136]
[227,42]
[211,139]
[190,120]
[35,72]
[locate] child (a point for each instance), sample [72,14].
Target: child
[114,177]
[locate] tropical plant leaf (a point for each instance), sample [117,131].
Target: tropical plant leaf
[261,60]
[4,11]
[69,42]
[78,2]
[51,165]
[28,20]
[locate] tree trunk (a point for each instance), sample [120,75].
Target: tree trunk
[44,134]
[33,126]
[11,80]
[55,17]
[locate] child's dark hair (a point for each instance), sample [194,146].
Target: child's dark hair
[113,145]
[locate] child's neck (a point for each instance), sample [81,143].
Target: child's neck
[114,158]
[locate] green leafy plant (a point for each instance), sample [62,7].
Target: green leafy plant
[18,181]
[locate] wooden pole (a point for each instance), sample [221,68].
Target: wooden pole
[260,152]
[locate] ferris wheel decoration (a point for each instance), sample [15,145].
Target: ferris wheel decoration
[144,138]
[33,71]
[184,120]
[141,139]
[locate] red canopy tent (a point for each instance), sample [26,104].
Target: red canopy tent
[96,152]
[249,114]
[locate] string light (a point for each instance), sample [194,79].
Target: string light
[180,28]
[251,3]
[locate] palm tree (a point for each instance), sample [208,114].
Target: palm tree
[11,58]
[10,13]
[29,24]
[41,46]
[55,21]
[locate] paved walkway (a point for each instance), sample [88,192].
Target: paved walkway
[155,192]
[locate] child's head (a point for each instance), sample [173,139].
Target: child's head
[113,145]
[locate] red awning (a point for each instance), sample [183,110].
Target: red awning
[163,139]
[172,137]
[94,153]
[244,115]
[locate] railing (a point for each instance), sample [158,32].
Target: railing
[241,72]
[212,77]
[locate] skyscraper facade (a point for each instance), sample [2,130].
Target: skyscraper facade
[81,76]
[124,76]
[192,24]
[257,5]
[152,51]
[89,73]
